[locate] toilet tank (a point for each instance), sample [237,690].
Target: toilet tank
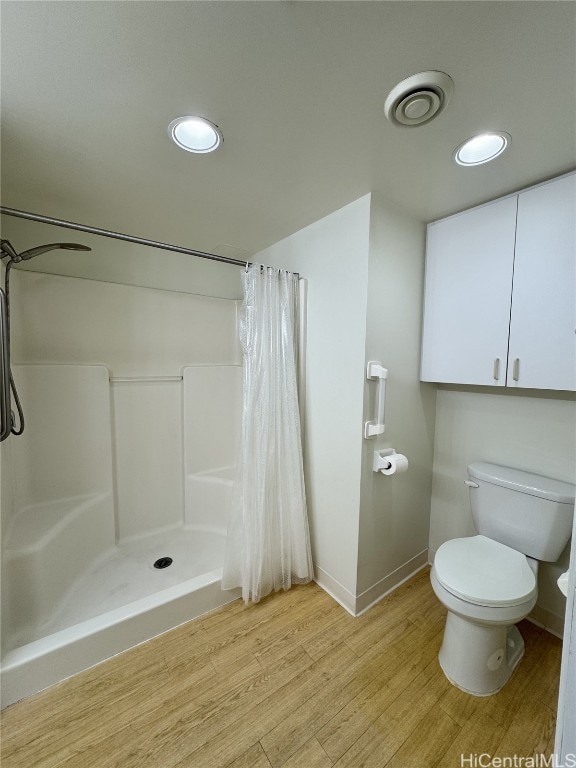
[530,513]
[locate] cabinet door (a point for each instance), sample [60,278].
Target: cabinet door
[469,263]
[543,321]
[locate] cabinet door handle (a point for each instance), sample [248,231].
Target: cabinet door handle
[496,369]
[516,369]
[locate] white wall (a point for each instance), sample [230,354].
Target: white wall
[534,431]
[65,450]
[364,266]
[132,331]
[147,432]
[395,511]
[62,486]
[332,255]
[212,398]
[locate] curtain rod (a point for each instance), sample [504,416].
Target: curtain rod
[118,236]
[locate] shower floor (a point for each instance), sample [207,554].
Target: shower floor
[127,574]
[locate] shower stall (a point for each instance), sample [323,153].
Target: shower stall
[115,498]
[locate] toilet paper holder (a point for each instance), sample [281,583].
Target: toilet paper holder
[380,461]
[388,462]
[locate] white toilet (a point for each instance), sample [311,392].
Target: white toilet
[488,582]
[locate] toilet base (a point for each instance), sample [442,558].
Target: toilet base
[479,658]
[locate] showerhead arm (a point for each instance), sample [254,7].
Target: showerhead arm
[7,250]
[29,254]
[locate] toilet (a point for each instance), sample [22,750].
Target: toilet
[488,582]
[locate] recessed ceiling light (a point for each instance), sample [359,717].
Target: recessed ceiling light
[195,134]
[482,148]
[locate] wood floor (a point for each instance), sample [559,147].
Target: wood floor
[293,681]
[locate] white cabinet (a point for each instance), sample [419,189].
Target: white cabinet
[500,295]
[469,266]
[542,350]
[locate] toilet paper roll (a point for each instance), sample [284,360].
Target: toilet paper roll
[397,463]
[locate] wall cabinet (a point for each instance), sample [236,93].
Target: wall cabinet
[500,293]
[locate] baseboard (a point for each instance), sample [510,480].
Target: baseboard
[358,604]
[336,590]
[549,621]
[365,600]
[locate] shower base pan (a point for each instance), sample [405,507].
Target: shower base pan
[121,601]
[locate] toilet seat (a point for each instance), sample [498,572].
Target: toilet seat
[484,572]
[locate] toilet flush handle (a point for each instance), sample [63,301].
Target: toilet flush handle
[471,483]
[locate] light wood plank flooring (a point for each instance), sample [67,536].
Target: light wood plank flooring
[293,681]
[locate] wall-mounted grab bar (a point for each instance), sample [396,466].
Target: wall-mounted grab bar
[5,415]
[375,370]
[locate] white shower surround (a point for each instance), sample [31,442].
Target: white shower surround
[86,562]
[76,594]
[48,660]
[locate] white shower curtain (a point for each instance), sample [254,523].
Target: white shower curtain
[268,544]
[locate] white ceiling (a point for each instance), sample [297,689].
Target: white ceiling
[298,88]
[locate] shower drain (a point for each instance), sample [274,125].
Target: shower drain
[163,562]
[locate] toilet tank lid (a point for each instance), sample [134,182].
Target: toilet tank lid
[524,482]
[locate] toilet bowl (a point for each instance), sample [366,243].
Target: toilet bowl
[487,588]
[488,582]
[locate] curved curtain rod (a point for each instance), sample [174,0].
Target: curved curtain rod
[118,235]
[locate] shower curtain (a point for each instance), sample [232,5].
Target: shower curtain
[268,544]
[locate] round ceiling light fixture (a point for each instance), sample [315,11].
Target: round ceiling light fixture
[482,148]
[195,134]
[419,98]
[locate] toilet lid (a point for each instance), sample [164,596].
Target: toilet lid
[484,572]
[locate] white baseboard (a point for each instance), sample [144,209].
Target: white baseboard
[377,592]
[333,587]
[358,604]
[549,621]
